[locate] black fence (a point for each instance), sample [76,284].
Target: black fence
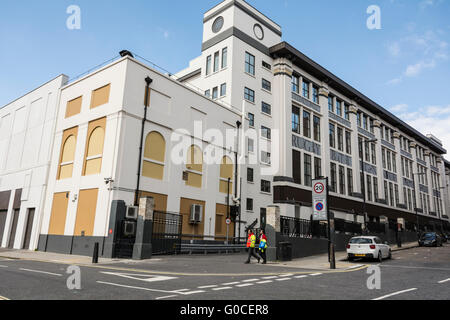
[376,227]
[166,235]
[301,228]
[348,227]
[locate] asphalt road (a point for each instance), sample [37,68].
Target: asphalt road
[414,274]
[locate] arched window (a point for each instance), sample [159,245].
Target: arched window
[67,157]
[226,172]
[194,167]
[154,156]
[94,153]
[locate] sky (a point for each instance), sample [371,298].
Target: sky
[404,66]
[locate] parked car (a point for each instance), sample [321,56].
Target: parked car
[430,239]
[368,247]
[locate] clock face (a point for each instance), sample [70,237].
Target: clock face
[259,32]
[217,25]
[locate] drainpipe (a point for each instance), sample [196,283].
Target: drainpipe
[148,81]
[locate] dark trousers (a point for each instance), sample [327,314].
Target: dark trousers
[263,255]
[251,253]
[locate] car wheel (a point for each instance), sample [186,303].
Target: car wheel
[390,255]
[350,259]
[380,257]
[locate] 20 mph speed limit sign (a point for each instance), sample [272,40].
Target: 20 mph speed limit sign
[319,200]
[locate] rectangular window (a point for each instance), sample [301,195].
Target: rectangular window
[371,126]
[224,57]
[374,154]
[250,63]
[330,104]
[266,65]
[375,188]
[333,182]
[251,119]
[250,177]
[394,162]
[249,95]
[215,93]
[391,194]
[265,157]
[100,96]
[208,65]
[208,93]
[295,119]
[223,89]
[266,108]
[295,84]
[350,181]
[317,168]
[265,186]
[308,172]
[348,142]
[307,124]
[397,199]
[305,89]
[360,148]
[296,166]
[266,85]
[386,194]
[340,138]
[249,206]
[358,118]
[216,61]
[339,108]
[366,151]
[266,132]
[365,122]
[315,94]
[316,124]
[389,163]
[251,145]
[383,157]
[369,188]
[346,112]
[342,180]
[332,133]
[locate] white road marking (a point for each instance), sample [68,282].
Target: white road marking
[3,298]
[208,287]
[251,280]
[444,281]
[166,297]
[230,284]
[264,282]
[181,290]
[287,275]
[395,294]
[191,292]
[45,272]
[131,287]
[354,267]
[244,285]
[271,277]
[409,267]
[222,288]
[140,277]
[283,279]
[316,274]
[300,277]
[3,266]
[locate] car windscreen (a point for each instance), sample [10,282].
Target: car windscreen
[428,236]
[360,241]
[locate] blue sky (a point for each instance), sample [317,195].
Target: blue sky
[404,67]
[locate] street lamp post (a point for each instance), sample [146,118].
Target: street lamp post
[363,182]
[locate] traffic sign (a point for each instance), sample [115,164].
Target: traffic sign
[228,221]
[320,200]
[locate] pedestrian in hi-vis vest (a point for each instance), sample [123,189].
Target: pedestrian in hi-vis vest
[263,246]
[251,246]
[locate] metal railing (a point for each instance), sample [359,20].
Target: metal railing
[349,227]
[301,228]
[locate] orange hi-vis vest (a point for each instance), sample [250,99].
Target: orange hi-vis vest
[251,241]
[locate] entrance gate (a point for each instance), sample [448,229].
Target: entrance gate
[166,235]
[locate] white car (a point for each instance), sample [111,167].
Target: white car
[368,247]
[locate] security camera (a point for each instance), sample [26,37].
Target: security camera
[108,180]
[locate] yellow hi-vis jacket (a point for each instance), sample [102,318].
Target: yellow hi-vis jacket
[251,241]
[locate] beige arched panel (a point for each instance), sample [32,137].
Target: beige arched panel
[155,147]
[95,146]
[226,171]
[67,157]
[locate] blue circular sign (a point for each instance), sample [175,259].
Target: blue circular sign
[319,206]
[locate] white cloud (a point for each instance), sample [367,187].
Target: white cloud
[431,119]
[416,69]
[394,81]
[399,108]
[394,49]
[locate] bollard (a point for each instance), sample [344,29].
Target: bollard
[333,257]
[95,255]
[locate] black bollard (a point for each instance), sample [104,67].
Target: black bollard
[95,255]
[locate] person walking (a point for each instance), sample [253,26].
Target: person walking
[263,246]
[251,246]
